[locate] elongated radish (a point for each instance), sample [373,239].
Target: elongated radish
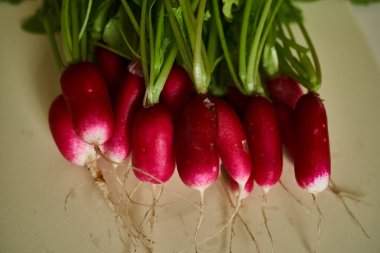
[152,144]
[285,90]
[232,143]
[196,135]
[111,65]
[236,99]
[285,119]
[264,141]
[68,143]
[312,148]
[85,92]
[128,101]
[177,90]
[247,190]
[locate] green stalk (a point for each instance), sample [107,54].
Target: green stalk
[53,42]
[181,44]
[85,22]
[74,19]
[152,57]
[161,79]
[144,57]
[65,32]
[159,35]
[250,84]
[99,44]
[134,53]
[243,42]
[200,79]
[224,45]
[131,16]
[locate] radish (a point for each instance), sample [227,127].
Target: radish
[177,90]
[129,99]
[196,135]
[264,141]
[236,99]
[152,144]
[312,150]
[68,143]
[285,119]
[85,92]
[232,144]
[111,65]
[285,90]
[247,190]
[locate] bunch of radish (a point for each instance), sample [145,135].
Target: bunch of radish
[189,88]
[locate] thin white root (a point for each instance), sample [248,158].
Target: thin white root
[201,214]
[232,216]
[307,210]
[69,194]
[242,220]
[341,195]
[319,223]
[264,214]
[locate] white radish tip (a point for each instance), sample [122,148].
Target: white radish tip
[266,188]
[319,184]
[95,135]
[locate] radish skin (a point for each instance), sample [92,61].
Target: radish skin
[197,157]
[84,89]
[247,190]
[177,90]
[312,157]
[232,144]
[111,65]
[264,142]
[152,144]
[285,90]
[129,100]
[71,147]
[285,119]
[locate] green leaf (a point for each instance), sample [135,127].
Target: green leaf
[34,23]
[230,6]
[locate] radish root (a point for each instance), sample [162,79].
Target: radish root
[341,195]
[201,214]
[319,223]
[307,210]
[264,213]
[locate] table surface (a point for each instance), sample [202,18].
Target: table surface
[36,180]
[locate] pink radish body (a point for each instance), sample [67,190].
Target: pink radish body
[152,144]
[111,65]
[264,142]
[285,119]
[177,90]
[232,143]
[129,100]
[248,187]
[236,99]
[285,90]
[197,158]
[85,92]
[68,143]
[312,156]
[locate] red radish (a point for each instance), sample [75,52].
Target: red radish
[248,187]
[264,141]
[129,99]
[197,157]
[236,99]
[152,144]
[85,92]
[285,90]
[68,143]
[232,143]
[111,65]
[177,90]
[312,150]
[285,119]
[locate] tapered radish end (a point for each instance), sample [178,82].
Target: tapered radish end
[266,188]
[96,134]
[318,184]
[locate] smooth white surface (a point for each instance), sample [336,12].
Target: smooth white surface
[35,179]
